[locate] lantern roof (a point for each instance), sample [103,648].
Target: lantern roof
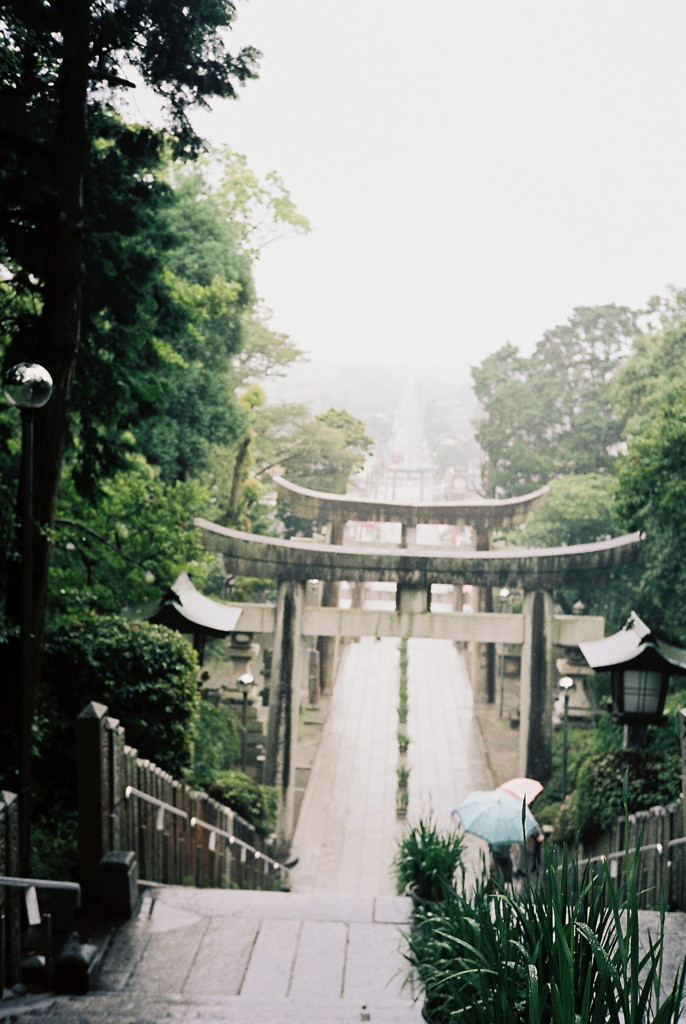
[185,609]
[632,643]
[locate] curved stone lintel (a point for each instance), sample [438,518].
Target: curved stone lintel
[487,513]
[531,568]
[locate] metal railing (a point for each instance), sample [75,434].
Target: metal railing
[132,791]
[45,953]
[220,857]
[14,882]
[128,803]
[269,864]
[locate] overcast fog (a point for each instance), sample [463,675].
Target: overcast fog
[472,171]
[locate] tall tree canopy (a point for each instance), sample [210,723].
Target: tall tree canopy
[651,475]
[68,169]
[551,414]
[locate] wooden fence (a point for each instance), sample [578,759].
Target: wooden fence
[656,838]
[180,836]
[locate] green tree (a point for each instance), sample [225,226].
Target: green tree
[62,64]
[578,510]
[209,289]
[326,451]
[265,353]
[644,382]
[581,510]
[128,546]
[260,210]
[552,414]
[650,497]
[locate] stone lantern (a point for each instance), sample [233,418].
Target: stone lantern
[640,666]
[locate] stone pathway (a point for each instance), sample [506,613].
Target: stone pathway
[446,755]
[253,957]
[347,831]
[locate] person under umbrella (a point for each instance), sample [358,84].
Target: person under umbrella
[528,859]
[502,820]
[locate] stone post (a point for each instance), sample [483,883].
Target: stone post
[94,792]
[117,742]
[483,654]
[408,535]
[328,645]
[11,900]
[288,677]
[536,687]
[682,718]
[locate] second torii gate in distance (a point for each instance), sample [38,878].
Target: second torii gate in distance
[482,516]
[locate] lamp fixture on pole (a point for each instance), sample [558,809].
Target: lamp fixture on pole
[566,684]
[27,386]
[245,684]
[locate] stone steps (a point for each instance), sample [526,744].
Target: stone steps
[259,957]
[120,1008]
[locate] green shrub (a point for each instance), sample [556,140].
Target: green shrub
[599,797]
[588,807]
[54,851]
[218,744]
[256,803]
[427,861]
[403,663]
[146,675]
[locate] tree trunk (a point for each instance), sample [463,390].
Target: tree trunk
[55,344]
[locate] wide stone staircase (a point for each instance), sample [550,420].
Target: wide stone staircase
[246,958]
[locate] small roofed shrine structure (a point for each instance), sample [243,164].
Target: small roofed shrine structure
[184,609]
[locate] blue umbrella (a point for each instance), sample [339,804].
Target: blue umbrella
[496,816]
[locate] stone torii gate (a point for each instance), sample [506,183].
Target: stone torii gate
[537,629]
[482,516]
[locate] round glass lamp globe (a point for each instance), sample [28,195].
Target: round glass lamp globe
[27,385]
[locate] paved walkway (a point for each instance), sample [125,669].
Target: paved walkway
[347,832]
[247,958]
[447,755]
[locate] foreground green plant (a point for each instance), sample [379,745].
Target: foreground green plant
[427,862]
[568,950]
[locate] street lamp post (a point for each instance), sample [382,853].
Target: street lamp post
[566,685]
[28,387]
[245,685]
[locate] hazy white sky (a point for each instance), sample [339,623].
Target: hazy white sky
[472,170]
